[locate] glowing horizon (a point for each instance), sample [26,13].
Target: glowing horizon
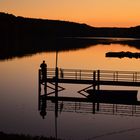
[97,13]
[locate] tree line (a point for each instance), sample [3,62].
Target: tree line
[16,27]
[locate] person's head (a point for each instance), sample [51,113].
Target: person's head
[43,61]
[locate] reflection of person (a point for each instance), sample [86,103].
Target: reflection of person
[61,107]
[43,112]
[43,67]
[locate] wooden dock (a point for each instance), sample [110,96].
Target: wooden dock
[96,77]
[93,78]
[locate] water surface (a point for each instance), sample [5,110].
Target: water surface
[19,96]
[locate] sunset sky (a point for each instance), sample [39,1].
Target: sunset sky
[98,13]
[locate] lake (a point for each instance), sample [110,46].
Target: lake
[19,95]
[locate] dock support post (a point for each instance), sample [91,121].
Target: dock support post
[98,89]
[39,81]
[56,82]
[45,84]
[39,88]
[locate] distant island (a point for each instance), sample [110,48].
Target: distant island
[123,54]
[16,27]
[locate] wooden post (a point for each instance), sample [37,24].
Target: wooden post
[135,76]
[94,81]
[98,89]
[76,75]
[39,88]
[80,74]
[113,76]
[94,88]
[56,82]
[116,75]
[56,93]
[45,84]
[39,81]
[98,79]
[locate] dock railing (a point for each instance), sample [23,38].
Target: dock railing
[127,76]
[102,75]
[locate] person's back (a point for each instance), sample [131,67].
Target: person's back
[43,65]
[44,70]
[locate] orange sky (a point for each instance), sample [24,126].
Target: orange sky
[117,13]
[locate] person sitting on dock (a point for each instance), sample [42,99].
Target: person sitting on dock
[43,67]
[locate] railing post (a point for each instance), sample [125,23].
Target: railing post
[98,88]
[135,76]
[56,82]
[45,83]
[76,75]
[113,76]
[80,74]
[94,80]
[98,80]
[116,75]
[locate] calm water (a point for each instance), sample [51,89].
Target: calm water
[19,96]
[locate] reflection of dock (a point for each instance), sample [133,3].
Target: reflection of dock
[82,105]
[93,98]
[102,108]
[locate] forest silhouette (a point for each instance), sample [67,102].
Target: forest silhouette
[16,27]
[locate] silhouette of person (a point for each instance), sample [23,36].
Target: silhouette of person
[43,67]
[61,73]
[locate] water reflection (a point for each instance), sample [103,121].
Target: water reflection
[70,105]
[107,102]
[19,90]
[26,47]
[95,107]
